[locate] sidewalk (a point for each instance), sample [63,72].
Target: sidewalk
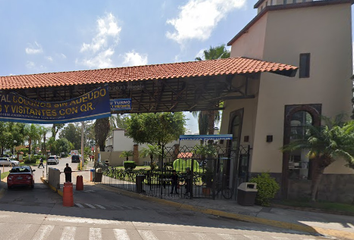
[338,226]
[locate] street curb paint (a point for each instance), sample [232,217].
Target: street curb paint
[50,186]
[235,216]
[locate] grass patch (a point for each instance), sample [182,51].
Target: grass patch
[320,205]
[4,175]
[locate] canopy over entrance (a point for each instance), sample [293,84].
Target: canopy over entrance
[186,86]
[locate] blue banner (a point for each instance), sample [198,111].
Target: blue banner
[92,105]
[121,104]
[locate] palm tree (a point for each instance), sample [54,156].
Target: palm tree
[102,128]
[33,135]
[43,132]
[151,151]
[326,144]
[126,154]
[206,119]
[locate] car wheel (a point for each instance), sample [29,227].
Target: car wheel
[32,186]
[12,165]
[9,187]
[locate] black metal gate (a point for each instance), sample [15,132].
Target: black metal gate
[204,171]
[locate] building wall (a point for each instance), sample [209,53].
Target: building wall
[251,44]
[280,36]
[329,83]
[118,143]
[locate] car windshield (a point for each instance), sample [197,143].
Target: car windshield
[21,169]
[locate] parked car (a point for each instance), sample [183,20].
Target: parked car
[75,158]
[5,161]
[52,159]
[20,176]
[15,162]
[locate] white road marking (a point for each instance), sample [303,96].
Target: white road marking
[95,234]
[43,232]
[79,205]
[82,220]
[100,206]
[253,237]
[15,235]
[201,236]
[68,233]
[147,235]
[226,236]
[90,205]
[121,234]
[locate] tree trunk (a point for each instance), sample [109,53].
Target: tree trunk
[211,122]
[315,184]
[29,146]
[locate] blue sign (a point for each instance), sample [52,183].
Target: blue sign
[121,104]
[206,137]
[92,105]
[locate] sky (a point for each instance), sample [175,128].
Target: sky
[41,36]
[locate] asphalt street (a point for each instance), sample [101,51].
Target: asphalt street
[98,214]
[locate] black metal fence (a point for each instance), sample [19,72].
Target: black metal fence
[185,172]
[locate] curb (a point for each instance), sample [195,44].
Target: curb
[50,186]
[235,216]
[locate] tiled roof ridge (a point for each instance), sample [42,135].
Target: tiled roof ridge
[125,67]
[225,66]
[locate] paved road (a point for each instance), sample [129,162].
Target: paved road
[38,214]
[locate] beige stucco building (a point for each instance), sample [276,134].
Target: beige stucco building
[317,37]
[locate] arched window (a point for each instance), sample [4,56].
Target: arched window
[299,159]
[297,119]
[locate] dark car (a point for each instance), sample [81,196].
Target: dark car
[75,158]
[20,176]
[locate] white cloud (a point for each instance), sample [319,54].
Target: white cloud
[99,52]
[107,27]
[100,60]
[135,59]
[198,18]
[30,65]
[34,49]
[49,58]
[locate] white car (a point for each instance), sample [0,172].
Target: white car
[52,159]
[5,161]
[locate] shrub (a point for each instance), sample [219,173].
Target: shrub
[129,165]
[267,188]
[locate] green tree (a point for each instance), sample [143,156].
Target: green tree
[151,151]
[62,145]
[102,128]
[5,136]
[326,143]
[207,119]
[118,121]
[155,128]
[72,132]
[33,135]
[56,127]
[126,154]
[43,133]
[214,53]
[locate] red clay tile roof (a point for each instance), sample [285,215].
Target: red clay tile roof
[185,155]
[148,72]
